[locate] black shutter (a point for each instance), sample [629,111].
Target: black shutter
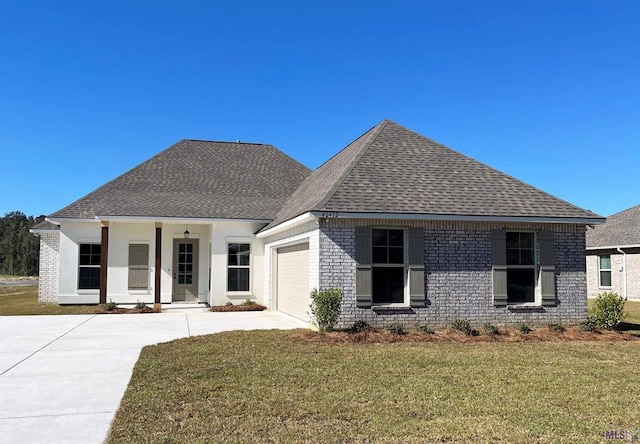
[499,246]
[363,267]
[416,268]
[547,268]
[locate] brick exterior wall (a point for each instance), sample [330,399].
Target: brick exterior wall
[458,274]
[49,267]
[617,285]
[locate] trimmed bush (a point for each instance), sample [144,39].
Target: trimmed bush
[490,329]
[463,326]
[556,327]
[608,310]
[424,328]
[396,328]
[589,325]
[110,306]
[325,307]
[359,326]
[523,328]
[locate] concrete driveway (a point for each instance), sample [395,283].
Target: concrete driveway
[62,377]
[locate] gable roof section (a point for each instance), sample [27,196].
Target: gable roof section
[621,229]
[393,170]
[198,179]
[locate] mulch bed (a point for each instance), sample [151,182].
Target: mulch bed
[230,308]
[120,310]
[540,334]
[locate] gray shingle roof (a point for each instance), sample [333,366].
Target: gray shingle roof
[391,169]
[45,226]
[198,179]
[622,228]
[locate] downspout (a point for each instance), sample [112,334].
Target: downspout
[624,272]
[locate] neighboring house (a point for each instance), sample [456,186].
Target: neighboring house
[409,229]
[613,255]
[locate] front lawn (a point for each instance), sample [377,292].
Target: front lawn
[278,386]
[23,300]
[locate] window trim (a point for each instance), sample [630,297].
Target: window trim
[80,266]
[609,270]
[248,267]
[403,265]
[537,291]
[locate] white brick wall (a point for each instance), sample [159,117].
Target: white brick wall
[49,267]
[633,274]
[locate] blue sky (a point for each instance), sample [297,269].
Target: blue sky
[546,91]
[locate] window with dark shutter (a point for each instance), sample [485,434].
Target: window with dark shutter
[138,266]
[547,268]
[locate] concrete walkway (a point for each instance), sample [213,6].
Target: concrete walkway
[62,377]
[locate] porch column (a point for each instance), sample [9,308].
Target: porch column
[104,256]
[158,253]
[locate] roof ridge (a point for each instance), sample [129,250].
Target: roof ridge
[238,142]
[91,193]
[376,130]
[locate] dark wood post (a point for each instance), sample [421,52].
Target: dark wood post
[158,272]
[104,257]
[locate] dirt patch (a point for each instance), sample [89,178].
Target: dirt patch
[232,308]
[540,334]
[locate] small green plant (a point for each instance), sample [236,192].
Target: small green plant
[396,328]
[608,310]
[359,326]
[140,305]
[110,306]
[556,327]
[490,329]
[463,326]
[248,302]
[424,328]
[523,328]
[325,307]
[589,325]
[229,303]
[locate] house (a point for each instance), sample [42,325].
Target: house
[613,255]
[410,230]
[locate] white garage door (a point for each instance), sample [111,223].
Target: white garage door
[292,284]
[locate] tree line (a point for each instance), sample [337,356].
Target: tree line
[19,249]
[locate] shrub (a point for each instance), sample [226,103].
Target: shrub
[396,328]
[229,303]
[608,310]
[424,328]
[523,328]
[463,326]
[490,329]
[359,326]
[110,306]
[140,305]
[589,325]
[556,327]
[325,307]
[248,302]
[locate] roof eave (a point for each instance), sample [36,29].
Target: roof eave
[456,217]
[613,247]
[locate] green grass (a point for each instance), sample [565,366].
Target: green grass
[275,386]
[24,301]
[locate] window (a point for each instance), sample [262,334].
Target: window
[521,267]
[138,266]
[604,263]
[387,250]
[238,265]
[89,267]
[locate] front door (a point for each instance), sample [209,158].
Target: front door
[185,270]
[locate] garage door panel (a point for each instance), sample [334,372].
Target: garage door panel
[293,280]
